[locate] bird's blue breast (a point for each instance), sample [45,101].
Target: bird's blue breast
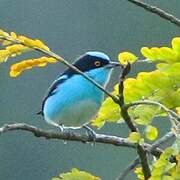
[75,95]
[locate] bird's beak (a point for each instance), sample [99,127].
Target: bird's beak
[113,64]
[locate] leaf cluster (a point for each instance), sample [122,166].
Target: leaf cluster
[76,174]
[14,45]
[161,85]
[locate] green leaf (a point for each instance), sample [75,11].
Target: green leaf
[169,166]
[139,173]
[75,174]
[134,137]
[154,178]
[162,166]
[109,112]
[151,132]
[148,53]
[172,71]
[167,178]
[147,86]
[176,45]
[125,57]
[167,153]
[143,114]
[172,100]
[166,54]
[55,178]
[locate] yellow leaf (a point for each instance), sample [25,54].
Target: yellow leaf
[109,112]
[40,45]
[13,35]
[6,42]
[139,173]
[126,57]
[166,177]
[134,137]
[156,52]
[146,52]
[55,178]
[16,48]
[3,33]
[75,174]
[42,64]
[18,68]
[168,54]
[32,43]
[151,132]
[4,54]
[178,110]
[176,44]
[12,50]
[144,114]
[14,73]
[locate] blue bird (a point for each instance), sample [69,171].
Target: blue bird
[72,101]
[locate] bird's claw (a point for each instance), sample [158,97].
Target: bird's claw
[90,133]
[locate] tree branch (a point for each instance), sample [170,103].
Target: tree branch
[75,136]
[162,140]
[125,115]
[149,102]
[153,9]
[131,166]
[100,138]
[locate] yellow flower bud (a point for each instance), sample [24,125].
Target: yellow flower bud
[125,57]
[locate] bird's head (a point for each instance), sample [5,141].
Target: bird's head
[97,65]
[94,60]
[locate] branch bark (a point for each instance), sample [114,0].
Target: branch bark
[153,9]
[125,115]
[76,136]
[132,165]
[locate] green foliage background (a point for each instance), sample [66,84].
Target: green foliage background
[70,28]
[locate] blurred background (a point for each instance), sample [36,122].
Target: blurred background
[70,28]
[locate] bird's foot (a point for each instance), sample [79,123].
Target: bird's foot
[90,133]
[61,127]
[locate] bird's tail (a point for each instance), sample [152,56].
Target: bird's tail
[40,113]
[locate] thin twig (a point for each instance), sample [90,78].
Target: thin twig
[163,140]
[153,9]
[131,166]
[75,136]
[149,102]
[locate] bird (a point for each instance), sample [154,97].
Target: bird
[72,101]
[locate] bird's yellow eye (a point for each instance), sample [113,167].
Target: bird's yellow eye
[97,63]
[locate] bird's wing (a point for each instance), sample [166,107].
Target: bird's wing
[51,90]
